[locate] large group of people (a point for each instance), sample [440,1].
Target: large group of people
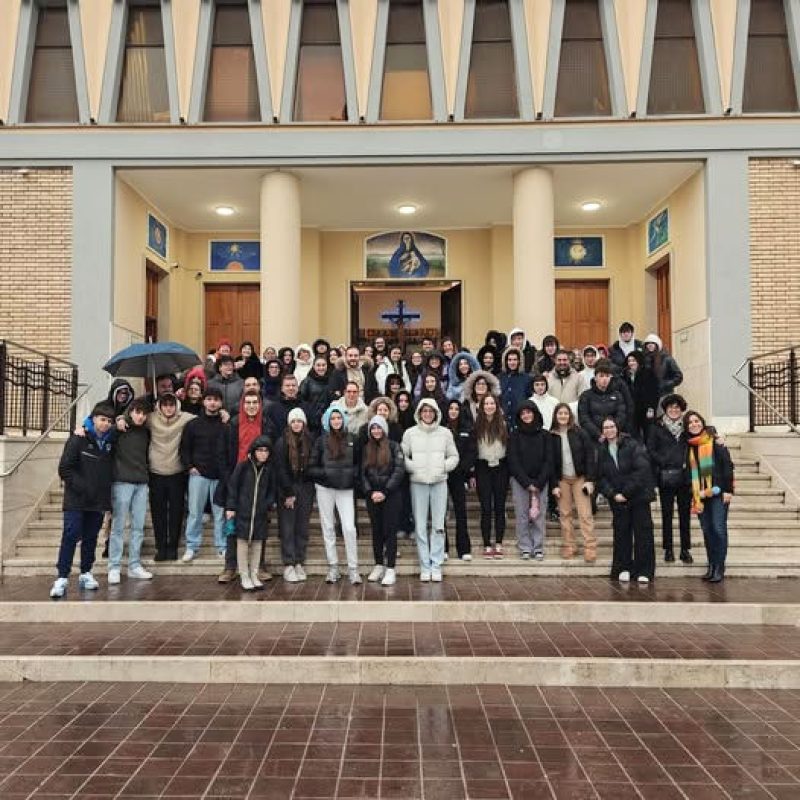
[249,439]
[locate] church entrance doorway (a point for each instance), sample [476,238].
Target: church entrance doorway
[232,311]
[581,313]
[405,311]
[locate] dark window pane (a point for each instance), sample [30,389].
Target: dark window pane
[406,91]
[232,89]
[675,85]
[768,79]
[52,96]
[143,94]
[582,89]
[491,84]
[320,92]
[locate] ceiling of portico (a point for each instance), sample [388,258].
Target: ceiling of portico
[361,198]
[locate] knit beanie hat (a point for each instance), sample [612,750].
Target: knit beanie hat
[297,413]
[380,422]
[653,339]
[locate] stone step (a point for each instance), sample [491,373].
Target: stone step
[756,563]
[524,653]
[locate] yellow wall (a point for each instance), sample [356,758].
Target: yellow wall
[9,14]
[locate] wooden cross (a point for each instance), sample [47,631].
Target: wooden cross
[399,317]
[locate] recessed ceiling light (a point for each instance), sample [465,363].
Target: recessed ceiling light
[407,208]
[591,205]
[225,211]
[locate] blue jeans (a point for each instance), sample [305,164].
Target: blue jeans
[714,524]
[200,490]
[83,527]
[433,496]
[127,498]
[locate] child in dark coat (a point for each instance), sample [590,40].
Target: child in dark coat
[250,495]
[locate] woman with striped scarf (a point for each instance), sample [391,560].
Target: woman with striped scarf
[711,471]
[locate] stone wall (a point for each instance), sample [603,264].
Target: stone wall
[774,253]
[35,258]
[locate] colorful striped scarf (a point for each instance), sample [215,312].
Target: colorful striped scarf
[701,448]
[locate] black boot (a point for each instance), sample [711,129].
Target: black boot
[686,557]
[717,574]
[709,571]
[669,555]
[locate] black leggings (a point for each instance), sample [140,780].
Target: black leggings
[458,494]
[383,517]
[492,490]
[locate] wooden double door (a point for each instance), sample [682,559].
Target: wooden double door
[581,313]
[233,311]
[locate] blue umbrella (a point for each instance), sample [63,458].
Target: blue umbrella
[149,359]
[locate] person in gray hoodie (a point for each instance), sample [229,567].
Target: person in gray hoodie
[229,383]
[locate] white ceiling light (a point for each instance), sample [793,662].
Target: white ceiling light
[591,205]
[225,211]
[407,208]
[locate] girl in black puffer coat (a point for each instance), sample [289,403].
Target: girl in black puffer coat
[382,474]
[460,425]
[334,467]
[625,477]
[315,389]
[250,494]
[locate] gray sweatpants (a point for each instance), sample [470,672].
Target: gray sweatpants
[530,535]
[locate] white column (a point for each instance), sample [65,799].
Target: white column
[534,280]
[280,260]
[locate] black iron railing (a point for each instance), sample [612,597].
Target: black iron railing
[773,385]
[35,389]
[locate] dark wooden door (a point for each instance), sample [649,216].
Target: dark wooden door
[581,312]
[153,276]
[664,304]
[451,313]
[233,311]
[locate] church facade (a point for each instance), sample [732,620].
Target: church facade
[282,170]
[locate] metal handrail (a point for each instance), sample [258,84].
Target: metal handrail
[50,428]
[37,352]
[792,427]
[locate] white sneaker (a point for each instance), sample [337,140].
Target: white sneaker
[290,574]
[389,578]
[425,576]
[332,576]
[113,577]
[139,573]
[188,556]
[624,576]
[300,572]
[59,588]
[466,557]
[355,578]
[376,574]
[246,581]
[436,575]
[256,581]
[87,581]
[446,557]
[643,579]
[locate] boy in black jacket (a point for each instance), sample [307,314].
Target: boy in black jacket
[85,469]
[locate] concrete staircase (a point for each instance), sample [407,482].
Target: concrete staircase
[764,540]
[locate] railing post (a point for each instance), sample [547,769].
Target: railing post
[46,396]
[750,396]
[792,387]
[25,385]
[72,396]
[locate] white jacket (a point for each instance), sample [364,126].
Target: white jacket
[429,450]
[546,404]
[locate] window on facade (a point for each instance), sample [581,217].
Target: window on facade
[143,93]
[675,85]
[768,77]
[491,84]
[51,89]
[406,91]
[582,87]
[320,93]
[232,88]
